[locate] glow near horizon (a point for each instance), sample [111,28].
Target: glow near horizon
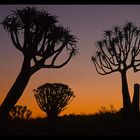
[92,90]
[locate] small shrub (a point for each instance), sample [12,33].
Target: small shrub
[20,113]
[104,109]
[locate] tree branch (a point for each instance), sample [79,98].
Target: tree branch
[15,41]
[105,73]
[61,65]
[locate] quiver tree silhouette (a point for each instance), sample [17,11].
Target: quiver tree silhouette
[42,42]
[53,98]
[119,51]
[19,112]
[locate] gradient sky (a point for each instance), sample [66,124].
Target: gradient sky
[92,90]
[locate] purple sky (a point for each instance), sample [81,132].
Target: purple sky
[87,22]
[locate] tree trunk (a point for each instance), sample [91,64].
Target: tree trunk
[15,92]
[125,93]
[135,102]
[52,114]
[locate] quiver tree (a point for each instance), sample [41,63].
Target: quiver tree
[117,52]
[41,41]
[53,98]
[19,112]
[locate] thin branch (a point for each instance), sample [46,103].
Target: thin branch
[61,65]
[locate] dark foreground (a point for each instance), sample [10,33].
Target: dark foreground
[97,124]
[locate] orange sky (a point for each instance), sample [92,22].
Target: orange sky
[91,89]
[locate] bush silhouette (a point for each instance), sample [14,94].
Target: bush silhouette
[53,98]
[20,113]
[104,109]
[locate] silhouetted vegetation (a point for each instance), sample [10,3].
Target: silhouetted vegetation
[37,35]
[104,109]
[119,51]
[105,122]
[41,40]
[53,98]
[19,112]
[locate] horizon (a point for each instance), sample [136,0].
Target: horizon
[92,90]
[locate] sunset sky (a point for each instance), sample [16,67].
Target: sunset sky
[92,90]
